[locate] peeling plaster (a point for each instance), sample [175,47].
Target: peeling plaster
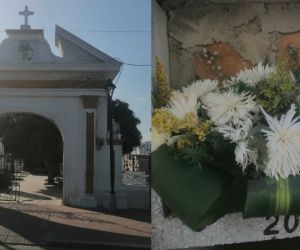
[248,27]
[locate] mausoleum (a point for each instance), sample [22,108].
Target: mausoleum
[68,90]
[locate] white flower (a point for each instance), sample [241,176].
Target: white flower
[172,140]
[157,139]
[243,155]
[181,104]
[254,75]
[283,143]
[236,133]
[200,88]
[229,108]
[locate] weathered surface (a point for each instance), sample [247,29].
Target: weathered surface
[160,38]
[251,29]
[229,61]
[288,47]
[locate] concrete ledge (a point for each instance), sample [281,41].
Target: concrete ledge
[132,197]
[170,233]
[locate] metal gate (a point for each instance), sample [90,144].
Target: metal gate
[136,169]
[10,176]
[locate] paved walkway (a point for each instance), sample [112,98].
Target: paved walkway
[40,219]
[24,224]
[35,190]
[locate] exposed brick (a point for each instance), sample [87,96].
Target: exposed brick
[284,41]
[229,59]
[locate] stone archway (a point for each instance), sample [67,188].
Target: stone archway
[32,163]
[69,91]
[68,112]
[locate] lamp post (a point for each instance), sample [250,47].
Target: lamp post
[109,89]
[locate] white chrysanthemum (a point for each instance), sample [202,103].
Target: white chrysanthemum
[236,133]
[173,139]
[243,155]
[229,108]
[200,88]
[180,104]
[157,139]
[254,75]
[283,143]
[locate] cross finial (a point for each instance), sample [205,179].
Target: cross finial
[26,13]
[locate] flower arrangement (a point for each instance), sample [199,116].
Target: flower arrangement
[240,137]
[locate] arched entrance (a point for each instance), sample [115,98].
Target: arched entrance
[69,92]
[31,166]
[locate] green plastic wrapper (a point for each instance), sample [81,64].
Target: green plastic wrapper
[197,196]
[271,197]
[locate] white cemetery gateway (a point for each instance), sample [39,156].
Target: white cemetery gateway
[68,91]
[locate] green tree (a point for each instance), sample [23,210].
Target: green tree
[33,139]
[131,136]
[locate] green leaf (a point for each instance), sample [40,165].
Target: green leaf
[197,197]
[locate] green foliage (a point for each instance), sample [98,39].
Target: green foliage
[276,93]
[204,154]
[296,74]
[5,181]
[33,139]
[195,154]
[239,87]
[131,136]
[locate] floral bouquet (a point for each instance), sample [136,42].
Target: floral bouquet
[231,145]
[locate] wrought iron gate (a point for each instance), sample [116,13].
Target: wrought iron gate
[10,176]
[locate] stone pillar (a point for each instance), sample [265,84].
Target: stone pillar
[90,106]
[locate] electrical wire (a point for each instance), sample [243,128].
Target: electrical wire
[118,77]
[113,31]
[122,66]
[100,31]
[137,65]
[133,64]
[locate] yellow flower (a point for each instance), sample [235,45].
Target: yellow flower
[163,87]
[202,129]
[182,143]
[165,122]
[190,120]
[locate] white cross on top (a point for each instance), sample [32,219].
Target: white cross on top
[26,13]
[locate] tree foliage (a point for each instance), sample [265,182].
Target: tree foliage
[131,136]
[33,139]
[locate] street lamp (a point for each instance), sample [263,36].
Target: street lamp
[109,89]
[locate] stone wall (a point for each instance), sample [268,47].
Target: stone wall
[242,33]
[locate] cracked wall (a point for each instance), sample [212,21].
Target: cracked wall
[255,31]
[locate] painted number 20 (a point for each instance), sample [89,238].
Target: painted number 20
[289,225]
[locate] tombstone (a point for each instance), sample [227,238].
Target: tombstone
[69,92]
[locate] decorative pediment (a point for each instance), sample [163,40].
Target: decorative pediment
[75,49]
[26,57]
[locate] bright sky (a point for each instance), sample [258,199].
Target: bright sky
[83,18]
